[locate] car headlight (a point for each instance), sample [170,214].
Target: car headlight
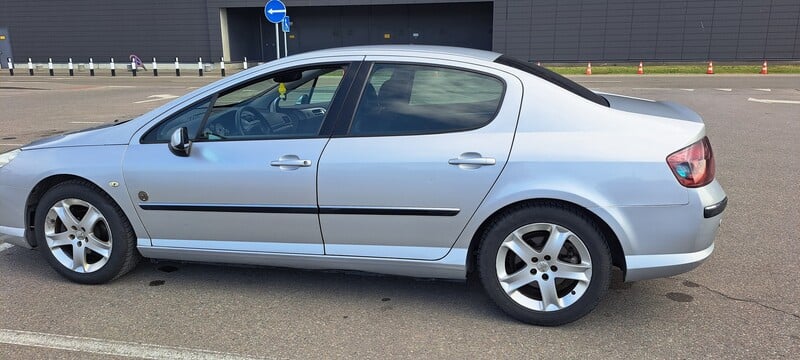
[6,158]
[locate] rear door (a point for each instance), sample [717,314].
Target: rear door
[424,147]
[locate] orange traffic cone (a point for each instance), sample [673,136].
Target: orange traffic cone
[764,68]
[589,69]
[710,68]
[640,71]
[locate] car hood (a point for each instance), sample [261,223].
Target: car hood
[665,109]
[118,133]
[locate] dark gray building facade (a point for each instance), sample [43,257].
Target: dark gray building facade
[534,30]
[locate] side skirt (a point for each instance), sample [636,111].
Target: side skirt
[452,266]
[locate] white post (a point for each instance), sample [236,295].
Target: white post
[30,67]
[285,45]
[91,67]
[245,63]
[200,66]
[133,67]
[277,42]
[71,69]
[155,67]
[50,66]
[222,66]
[177,67]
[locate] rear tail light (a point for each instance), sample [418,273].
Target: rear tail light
[693,165]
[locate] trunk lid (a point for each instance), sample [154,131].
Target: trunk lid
[666,109]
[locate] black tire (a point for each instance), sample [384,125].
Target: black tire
[123,255]
[567,217]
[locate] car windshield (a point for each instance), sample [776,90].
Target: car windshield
[554,78]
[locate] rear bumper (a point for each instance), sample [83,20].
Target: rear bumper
[642,267]
[663,241]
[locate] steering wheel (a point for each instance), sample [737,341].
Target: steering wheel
[250,121]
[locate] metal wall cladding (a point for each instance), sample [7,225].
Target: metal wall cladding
[535,30]
[634,30]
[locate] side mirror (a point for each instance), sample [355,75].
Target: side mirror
[179,143]
[303,99]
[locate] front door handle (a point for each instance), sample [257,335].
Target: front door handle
[290,162]
[472,160]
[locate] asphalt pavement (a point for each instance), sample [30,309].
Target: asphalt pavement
[742,303]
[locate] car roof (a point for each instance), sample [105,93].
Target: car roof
[423,50]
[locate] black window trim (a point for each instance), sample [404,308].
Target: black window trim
[335,108]
[343,127]
[553,78]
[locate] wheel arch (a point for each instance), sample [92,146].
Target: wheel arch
[617,252]
[40,189]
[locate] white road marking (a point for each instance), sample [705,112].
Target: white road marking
[108,347]
[767,101]
[86,122]
[763,89]
[10,144]
[687,89]
[651,89]
[4,247]
[120,86]
[723,89]
[159,97]
[601,81]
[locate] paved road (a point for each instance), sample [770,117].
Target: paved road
[743,303]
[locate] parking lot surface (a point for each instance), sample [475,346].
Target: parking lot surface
[742,303]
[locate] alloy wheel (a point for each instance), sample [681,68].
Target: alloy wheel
[543,267]
[78,235]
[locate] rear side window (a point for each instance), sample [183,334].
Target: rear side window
[404,99]
[554,78]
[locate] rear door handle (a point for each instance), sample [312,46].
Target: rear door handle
[290,162]
[481,161]
[471,160]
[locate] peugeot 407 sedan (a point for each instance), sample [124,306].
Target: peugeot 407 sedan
[407,160]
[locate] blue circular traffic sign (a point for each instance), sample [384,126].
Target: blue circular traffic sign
[275,11]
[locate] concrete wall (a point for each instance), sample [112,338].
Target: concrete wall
[545,30]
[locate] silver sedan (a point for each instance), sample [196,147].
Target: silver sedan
[406,160]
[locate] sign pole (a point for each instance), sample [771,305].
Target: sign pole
[277,42]
[275,12]
[285,45]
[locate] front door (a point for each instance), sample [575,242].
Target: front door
[249,182]
[424,148]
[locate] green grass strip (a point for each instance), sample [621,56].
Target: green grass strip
[675,69]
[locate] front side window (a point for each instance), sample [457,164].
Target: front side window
[291,104]
[418,99]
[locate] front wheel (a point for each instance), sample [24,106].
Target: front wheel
[83,235]
[545,265]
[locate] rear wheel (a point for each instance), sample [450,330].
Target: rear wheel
[83,235]
[545,265]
